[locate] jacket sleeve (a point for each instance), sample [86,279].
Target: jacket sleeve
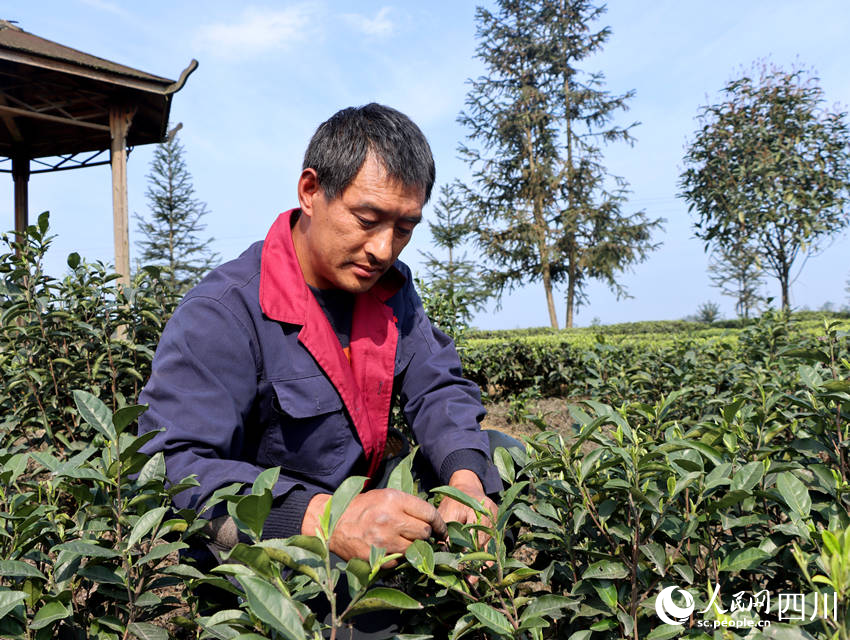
[443,408]
[201,392]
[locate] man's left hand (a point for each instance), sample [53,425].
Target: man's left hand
[453,511]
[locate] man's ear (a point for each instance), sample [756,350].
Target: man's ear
[308,190]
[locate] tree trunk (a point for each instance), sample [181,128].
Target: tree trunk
[540,229]
[784,272]
[572,267]
[545,270]
[550,299]
[572,278]
[783,283]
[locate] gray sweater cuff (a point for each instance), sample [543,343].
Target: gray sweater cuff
[287,513]
[471,459]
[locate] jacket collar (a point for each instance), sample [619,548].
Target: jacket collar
[365,381]
[284,295]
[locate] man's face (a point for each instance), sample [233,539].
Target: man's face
[349,242]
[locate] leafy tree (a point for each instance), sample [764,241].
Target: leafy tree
[847,289]
[736,271]
[771,163]
[540,197]
[455,276]
[171,236]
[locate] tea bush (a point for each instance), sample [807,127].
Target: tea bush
[81,332]
[740,496]
[89,540]
[608,365]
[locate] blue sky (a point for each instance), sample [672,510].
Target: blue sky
[270,72]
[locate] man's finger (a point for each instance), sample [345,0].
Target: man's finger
[454,511]
[426,513]
[413,529]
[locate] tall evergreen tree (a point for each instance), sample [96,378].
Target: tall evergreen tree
[509,113]
[599,240]
[545,205]
[171,236]
[454,276]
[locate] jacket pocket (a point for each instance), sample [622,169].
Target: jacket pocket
[309,428]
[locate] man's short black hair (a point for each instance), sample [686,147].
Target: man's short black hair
[339,147]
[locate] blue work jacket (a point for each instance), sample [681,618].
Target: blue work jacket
[249,375]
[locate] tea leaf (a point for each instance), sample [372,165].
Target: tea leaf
[145,524]
[48,614]
[382,598]
[421,556]
[19,569]
[272,607]
[349,489]
[147,631]
[743,559]
[95,413]
[748,476]
[463,498]
[490,618]
[794,493]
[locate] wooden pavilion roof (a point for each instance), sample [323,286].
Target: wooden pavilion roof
[55,100]
[61,109]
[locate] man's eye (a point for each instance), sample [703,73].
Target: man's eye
[366,223]
[403,232]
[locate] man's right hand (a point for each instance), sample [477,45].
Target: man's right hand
[385,518]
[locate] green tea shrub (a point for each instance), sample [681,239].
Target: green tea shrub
[83,331]
[751,496]
[89,542]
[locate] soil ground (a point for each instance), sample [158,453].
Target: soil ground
[553,411]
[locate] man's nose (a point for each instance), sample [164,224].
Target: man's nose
[380,246]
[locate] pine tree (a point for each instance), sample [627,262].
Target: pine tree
[454,276]
[171,235]
[509,113]
[599,240]
[545,206]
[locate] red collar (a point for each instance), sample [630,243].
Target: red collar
[365,381]
[284,295]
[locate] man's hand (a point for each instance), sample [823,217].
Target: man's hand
[453,511]
[385,518]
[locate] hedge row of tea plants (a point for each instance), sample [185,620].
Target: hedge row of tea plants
[611,366]
[713,466]
[659,327]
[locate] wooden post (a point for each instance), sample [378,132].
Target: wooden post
[120,119]
[21,176]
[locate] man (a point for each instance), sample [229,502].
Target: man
[289,355]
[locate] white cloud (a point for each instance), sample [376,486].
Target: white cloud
[104,5]
[379,26]
[258,30]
